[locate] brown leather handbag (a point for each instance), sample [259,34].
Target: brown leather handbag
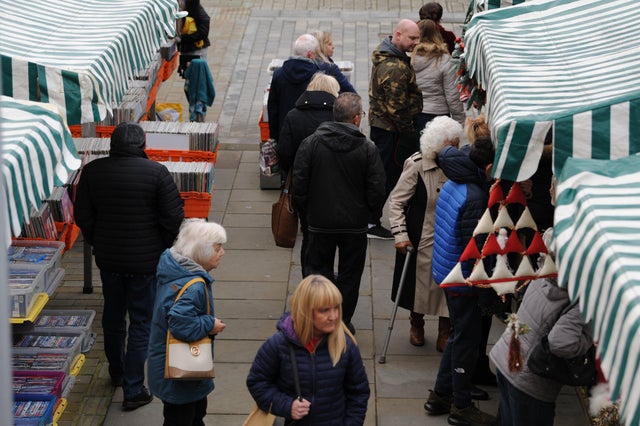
[284,219]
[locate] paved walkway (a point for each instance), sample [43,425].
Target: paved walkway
[255,276]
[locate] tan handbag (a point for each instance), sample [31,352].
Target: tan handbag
[257,417]
[189,360]
[284,219]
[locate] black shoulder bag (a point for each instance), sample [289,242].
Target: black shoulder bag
[576,371]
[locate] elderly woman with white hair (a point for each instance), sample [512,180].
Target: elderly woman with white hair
[196,251]
[412,205]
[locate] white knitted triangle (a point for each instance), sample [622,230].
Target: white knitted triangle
[526,220]
[503,220]
[478,273]
[455,276]
[504,288]
[485,224]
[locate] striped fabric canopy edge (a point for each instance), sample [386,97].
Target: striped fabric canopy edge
[545,64]
[597,234]
[38,153]
[80,54]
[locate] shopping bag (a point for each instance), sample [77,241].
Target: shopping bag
[284,219]
[257,417]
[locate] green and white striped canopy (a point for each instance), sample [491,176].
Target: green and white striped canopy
[597,233]
[79,54]
[570,64]
[37,153]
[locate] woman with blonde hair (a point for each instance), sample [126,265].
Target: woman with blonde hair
[334,389]
[436,77]
[476,128]
[324,53]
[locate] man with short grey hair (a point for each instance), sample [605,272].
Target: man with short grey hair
[338,181]
[290,81]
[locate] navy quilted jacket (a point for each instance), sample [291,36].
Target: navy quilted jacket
[460,205]
[338,395]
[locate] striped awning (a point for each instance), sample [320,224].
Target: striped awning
[37,153]
[597,233]
[570,64]
[79,54]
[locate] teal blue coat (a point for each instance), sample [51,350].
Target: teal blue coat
[187,319]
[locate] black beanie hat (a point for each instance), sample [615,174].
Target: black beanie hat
[127,135]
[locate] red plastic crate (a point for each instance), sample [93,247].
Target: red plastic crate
[264,129]
[196,204]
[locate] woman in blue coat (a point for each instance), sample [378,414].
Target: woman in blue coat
[333,382]
[197,250]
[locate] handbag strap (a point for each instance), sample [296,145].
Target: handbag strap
[188,284]
[296,377]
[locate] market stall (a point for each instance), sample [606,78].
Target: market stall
[80,54]
[570,66]
[599,201]
[38,153]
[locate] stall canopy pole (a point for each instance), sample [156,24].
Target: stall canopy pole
[6,386]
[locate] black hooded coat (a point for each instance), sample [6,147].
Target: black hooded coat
[127,206]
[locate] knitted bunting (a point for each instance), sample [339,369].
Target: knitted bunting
[504,251]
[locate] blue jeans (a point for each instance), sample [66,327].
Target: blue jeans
[126,352]
[461,353]
[352,253]
[520,409]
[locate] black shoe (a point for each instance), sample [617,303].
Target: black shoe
[437,404]
[470,416]
[142,398]
[379,232]
[478,394]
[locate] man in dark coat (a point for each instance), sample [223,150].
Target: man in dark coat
[129,209]
[338,181]
[290,81]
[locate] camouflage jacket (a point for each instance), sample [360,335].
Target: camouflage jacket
[394,97]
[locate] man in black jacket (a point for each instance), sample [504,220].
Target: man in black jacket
[338,181]
[129,209]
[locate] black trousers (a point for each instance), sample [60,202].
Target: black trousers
[352,252]
[190,414]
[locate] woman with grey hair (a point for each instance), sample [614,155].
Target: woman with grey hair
[196,251]
[412,205]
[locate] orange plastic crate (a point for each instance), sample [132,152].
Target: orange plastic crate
[104,131]
[184,156]
[196,204]
[264,129]
[76,130]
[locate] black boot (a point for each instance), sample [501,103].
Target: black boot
[416,333]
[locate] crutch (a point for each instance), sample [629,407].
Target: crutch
[383,357]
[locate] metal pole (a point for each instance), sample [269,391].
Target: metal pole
[383,357]
[6,376]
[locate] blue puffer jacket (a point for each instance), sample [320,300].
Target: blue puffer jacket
[187,319]
[460,205]
[338,395]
